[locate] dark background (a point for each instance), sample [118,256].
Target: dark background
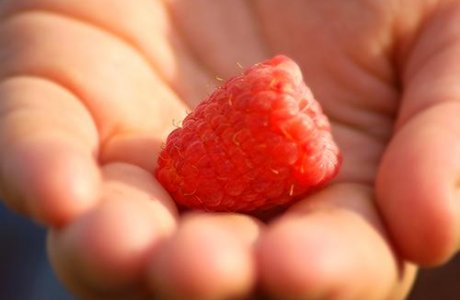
[26,275]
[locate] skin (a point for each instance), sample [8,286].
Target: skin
[89,90]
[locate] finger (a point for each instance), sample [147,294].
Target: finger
[49,143]
[136,23]
[331,246]
[57,196]
[417,186]
[210,257]
[104,254]
[114,80]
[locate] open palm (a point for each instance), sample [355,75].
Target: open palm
[91,88]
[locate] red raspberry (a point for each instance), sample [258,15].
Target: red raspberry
[259,141]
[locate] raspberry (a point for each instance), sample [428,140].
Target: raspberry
[258,141]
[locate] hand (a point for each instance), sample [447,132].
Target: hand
[90,89]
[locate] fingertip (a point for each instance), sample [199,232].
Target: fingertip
[423,225]
[417,188]
[107,250]
[203,261]
[104,253]
[330,249]
[51,181]
[294,267]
